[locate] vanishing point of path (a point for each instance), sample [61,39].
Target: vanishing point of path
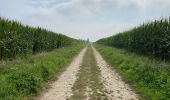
[89,77]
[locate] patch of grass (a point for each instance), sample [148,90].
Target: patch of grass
[88,83]
[150,77]
[23,80]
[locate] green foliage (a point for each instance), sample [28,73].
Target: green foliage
[151,39]
[24,82]
[150,77]
[21,81]
[45,72]
[19,40]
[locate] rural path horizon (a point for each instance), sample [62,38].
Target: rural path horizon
[89,77]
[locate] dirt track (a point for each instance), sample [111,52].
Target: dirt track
[89,77]
[61,89]
[116,88]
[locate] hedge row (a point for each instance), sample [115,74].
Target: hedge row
[20,40]
[151,39]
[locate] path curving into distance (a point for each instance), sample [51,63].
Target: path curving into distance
[89,77]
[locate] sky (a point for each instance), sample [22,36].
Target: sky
[83,19]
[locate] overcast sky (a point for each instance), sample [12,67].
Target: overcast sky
[93,19]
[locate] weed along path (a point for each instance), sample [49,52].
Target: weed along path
[89,77]
[88,84]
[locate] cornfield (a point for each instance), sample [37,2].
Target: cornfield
[150,39]
[19,40]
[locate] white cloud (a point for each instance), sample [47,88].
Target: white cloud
[92,19]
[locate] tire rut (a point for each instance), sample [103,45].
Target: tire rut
[116,88]
[61,89]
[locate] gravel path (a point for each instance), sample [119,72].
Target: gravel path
[116,88]
[73,83]
[61,89]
